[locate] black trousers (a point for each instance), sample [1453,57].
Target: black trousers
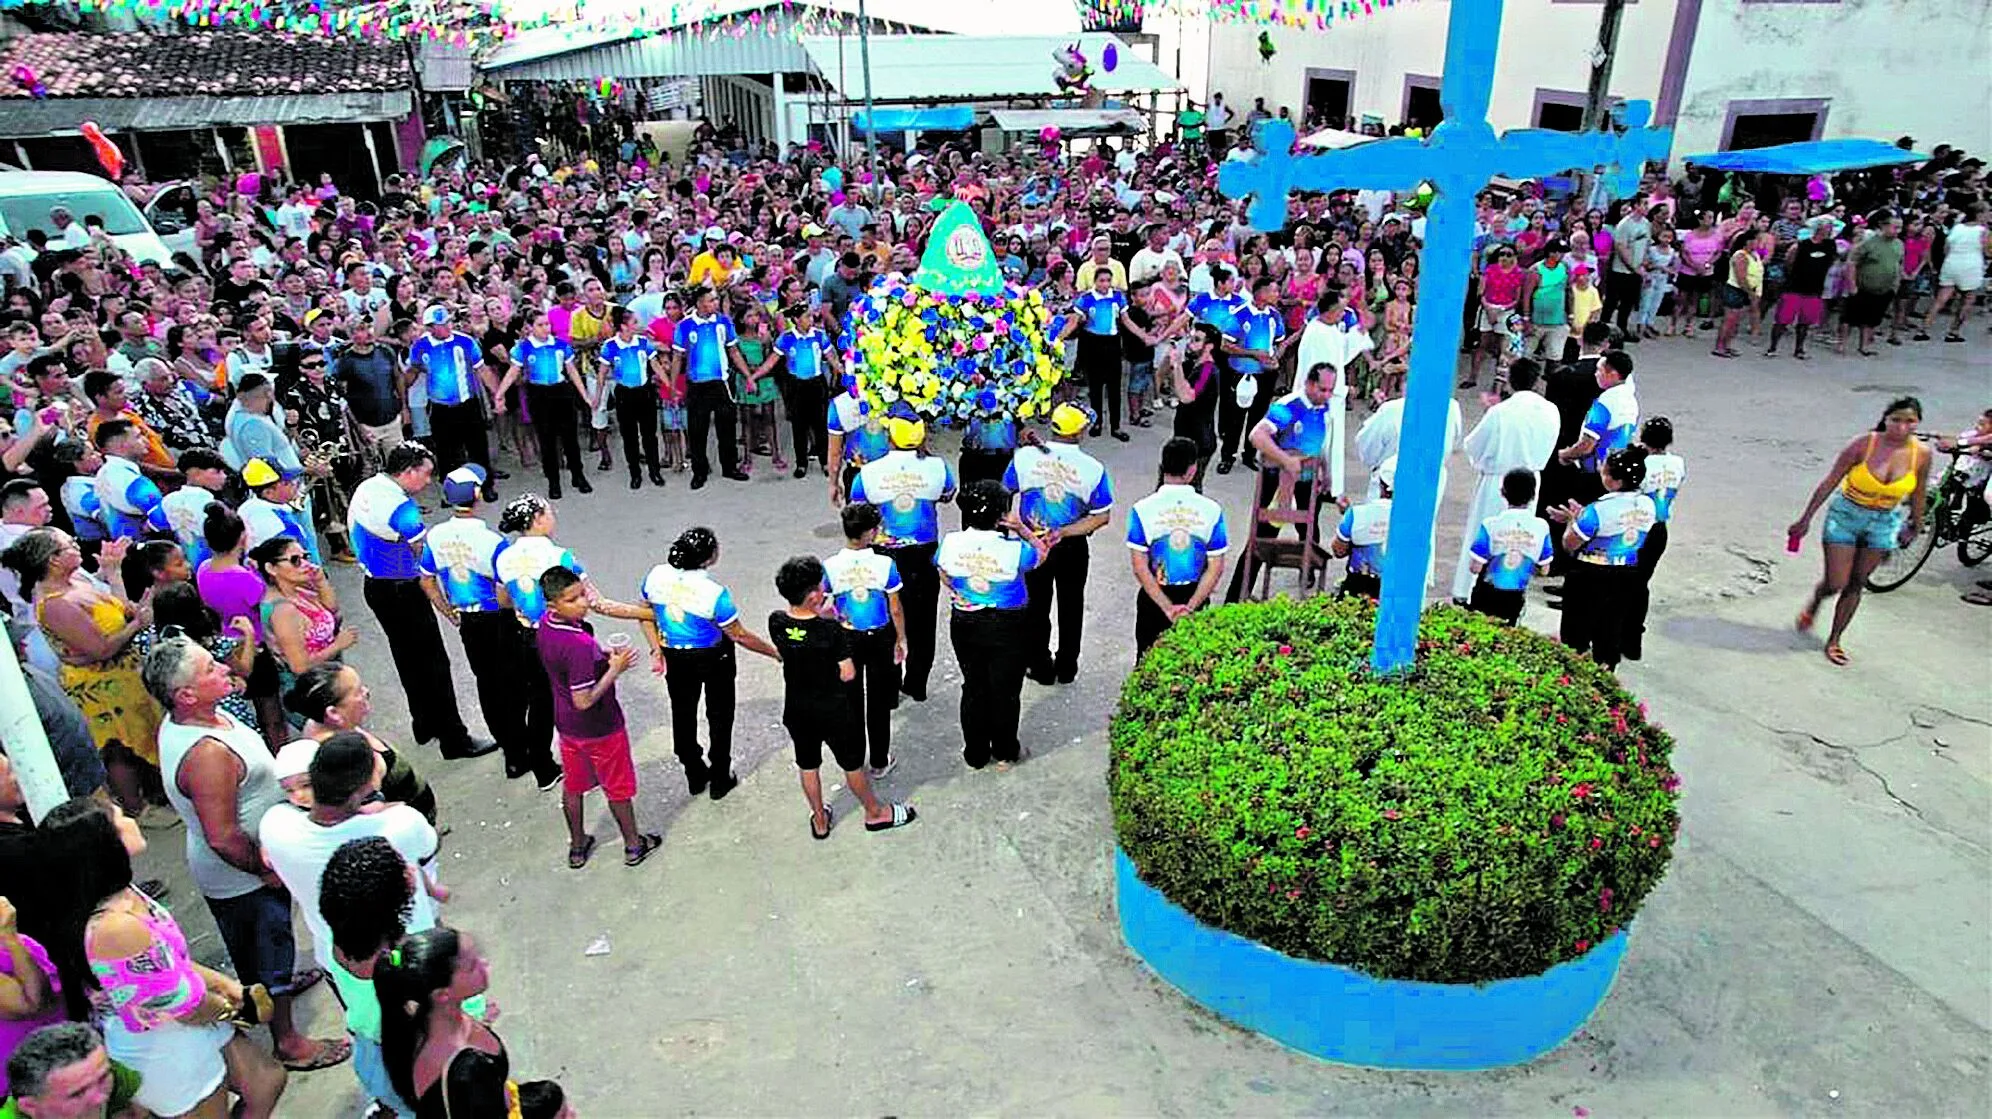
[688,673]
[919,598]
[1061,575]
[990,647]
[1232,421]
[554,421]
[709,406]
[1621,296]
[874,692]
[1494,602]
[636,411]
[1571,483]
[512,689]
[1363,583]
[1150,623]
[976,466]
[416,643]
[1639,596]
[1595,602]
[808,413]
[459,434]
[1100,361]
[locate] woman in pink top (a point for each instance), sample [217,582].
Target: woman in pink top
[1700,247]
[1500,290]
[1917,238]
[234,591]
[1303,286]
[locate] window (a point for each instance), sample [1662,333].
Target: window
[1328,98]
[1421,101]
[1763,123]
[1560,109]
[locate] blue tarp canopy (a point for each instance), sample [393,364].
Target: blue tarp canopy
[951,118]
[1809,158]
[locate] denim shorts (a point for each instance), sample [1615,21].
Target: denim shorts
[1857,526]
[256,929]
[1140,377]
[370,1066]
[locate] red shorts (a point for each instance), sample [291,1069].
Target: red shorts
[1804,310]
[603,763]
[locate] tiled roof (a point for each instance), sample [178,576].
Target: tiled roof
[214,63]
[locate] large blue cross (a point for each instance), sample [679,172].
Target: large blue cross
[1458,158]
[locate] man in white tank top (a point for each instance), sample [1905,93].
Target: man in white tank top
[220,779]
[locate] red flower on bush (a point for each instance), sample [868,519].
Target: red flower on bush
[1292,894]
[1653,841]
[1581,790]
[1563,681]
[1286,650]
[1596,843]
[1583,946]
[1605,900]
[1671,782]
[1556,820]
[1392,814]
[1302,832]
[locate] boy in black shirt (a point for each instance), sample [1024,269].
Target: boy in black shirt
[815,651]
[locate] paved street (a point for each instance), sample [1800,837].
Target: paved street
[1821,945]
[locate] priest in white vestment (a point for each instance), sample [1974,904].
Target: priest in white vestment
[1519,433]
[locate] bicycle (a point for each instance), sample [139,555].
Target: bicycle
[1957,514]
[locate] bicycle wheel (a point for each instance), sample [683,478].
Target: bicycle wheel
[1903,563]
[1972,550]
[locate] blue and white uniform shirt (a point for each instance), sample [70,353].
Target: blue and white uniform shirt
[1100,314]
[1058,484]
[1181,530]
[629,362]
[1614,527]
[908,490]
[1366,529]
[704,343]
[1512,545]
[1299,427]
[520,565]
[1220,312]
[185,511]
[804,353]
[543,363]
[1255,328]
[985,570]
[1664,475]
[86,513]
[1613,420]
[461,555]
[386,529]
[127,498]
[692,608]
[446,367]
[987,434]
[858,581]
[266,520]
[862,426]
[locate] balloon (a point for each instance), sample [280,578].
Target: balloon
[248,184]
[836,198]
[1266,48]
[1049,134]
[1109,58]
[833,178]
[606,86]
[864,176]
[108,153]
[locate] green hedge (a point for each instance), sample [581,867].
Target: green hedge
[1499,810]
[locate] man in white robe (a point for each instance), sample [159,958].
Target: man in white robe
[1333,336]
[1376,444]
[1519,433]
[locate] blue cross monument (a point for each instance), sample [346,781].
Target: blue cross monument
[1458,158]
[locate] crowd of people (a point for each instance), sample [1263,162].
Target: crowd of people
[189,452]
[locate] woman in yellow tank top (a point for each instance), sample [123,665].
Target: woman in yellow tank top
[1878,478]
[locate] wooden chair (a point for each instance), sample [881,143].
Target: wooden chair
[1275,550]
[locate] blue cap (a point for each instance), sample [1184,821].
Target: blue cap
[460,486]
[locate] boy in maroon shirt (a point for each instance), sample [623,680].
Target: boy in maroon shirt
[594,741]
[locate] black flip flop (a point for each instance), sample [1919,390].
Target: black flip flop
[651,843]
[828,822]
[902,815]
[577,857]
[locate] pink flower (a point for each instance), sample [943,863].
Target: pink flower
[1653,841]
[1579,1112]
[1581,790]
[1596,843]
[1671,782]
[1583,946]
[1561,718]
[1556,821]
[1392,814]
[1563,681]
[1605,900]
[1292,894]
[1286,650]
[1635,829]
[1302,832]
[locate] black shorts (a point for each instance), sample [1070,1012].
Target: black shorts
[1866,308]
[811,731]
[1692,285]
[1734,298]
[256,929]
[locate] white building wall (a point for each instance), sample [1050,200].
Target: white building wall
[1887,68]
[1544,44]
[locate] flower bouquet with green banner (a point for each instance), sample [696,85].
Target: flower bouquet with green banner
[955,342]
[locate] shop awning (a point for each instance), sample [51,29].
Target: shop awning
[1810,157]
[975,67]
[61,115]
[950,118]
[1071,122]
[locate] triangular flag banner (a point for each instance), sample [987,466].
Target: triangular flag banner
[959,259]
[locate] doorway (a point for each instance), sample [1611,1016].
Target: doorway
[1421,101]
[1761,124]
[1328,98]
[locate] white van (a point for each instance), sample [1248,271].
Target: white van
[26,197]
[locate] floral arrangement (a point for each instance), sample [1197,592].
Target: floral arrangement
[953,343]
[1501,809]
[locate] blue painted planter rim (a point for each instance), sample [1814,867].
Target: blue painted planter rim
[1342,1015]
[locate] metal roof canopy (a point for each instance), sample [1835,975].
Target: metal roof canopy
[972,67]
[1070,122]
[62,115]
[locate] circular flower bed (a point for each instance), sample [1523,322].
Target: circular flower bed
[1498,811]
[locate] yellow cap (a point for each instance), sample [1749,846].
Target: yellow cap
[906,434]
[1068,420]
[256,473]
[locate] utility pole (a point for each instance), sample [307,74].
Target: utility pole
[871,120]
[1601,64]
